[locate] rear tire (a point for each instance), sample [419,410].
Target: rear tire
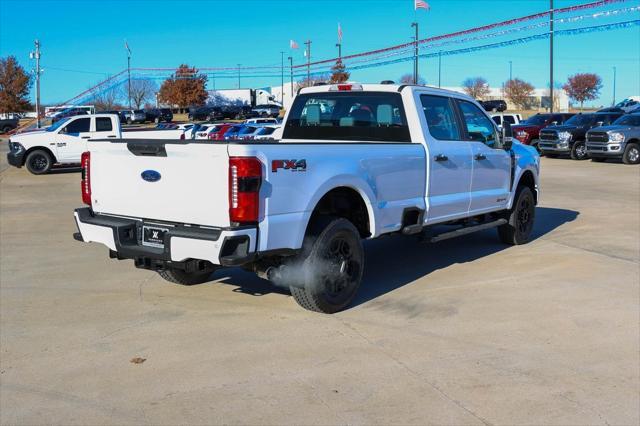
[520,220]
[6,129]
[181,277]
[579,151]
[329,270]
[39,162]
[631,154]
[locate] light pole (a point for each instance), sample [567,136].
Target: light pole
[614,87]
[36,55]
[281,78]
[308,44]
[291,65]
[239,75]
[439,68]
[415,55]
[551,54]
[339,46]
[128,72]
[510,70]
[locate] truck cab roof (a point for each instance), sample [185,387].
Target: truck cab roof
[398,88]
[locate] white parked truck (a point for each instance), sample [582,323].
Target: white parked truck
[64,141]
[354,162]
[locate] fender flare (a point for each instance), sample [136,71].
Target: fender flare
[343,181]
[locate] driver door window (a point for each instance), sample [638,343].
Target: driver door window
[479,127]
[81,125]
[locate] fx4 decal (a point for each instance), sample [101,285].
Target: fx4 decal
[293,165]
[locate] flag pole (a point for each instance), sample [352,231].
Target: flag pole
[308,44]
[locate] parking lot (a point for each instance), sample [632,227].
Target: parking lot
[467,331]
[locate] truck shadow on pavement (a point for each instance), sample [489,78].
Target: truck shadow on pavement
[395,261]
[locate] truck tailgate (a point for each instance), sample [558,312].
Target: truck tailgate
[184,183]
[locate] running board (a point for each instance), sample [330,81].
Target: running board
[467,230]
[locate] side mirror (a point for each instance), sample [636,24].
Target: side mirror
[63,130]
[599,123]
[554,123]
[507,136]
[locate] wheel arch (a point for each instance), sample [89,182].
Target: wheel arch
[528,179]
[346,200]
[38,148]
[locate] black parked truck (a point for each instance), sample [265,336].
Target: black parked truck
[569,138]
[8,124]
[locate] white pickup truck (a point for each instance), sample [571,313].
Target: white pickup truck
[64,141]
[354,162]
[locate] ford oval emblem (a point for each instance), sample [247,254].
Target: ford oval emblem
[150,175]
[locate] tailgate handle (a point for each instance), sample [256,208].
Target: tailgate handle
[147,149]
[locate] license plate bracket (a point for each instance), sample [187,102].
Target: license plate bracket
[153,236]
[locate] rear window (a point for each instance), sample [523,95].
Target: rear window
[355,116]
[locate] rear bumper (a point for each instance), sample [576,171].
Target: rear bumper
[123,236]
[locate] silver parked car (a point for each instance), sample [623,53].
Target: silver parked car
[621,139]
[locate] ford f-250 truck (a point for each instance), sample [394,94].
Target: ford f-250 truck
[64,141]
[354,162]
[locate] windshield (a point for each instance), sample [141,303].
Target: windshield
[247,130]
[580,120]
[536,120]
[628,120]
[57,125]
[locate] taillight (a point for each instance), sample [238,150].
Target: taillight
[245,178]
[85,183]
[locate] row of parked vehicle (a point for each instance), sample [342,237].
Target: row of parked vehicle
[232,112]
[252,129]
[134,116]
[598,135]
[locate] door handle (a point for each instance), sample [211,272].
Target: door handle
[441,157]
[112,136]
[85,137]
[480,157]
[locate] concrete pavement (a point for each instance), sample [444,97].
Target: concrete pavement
[466,331]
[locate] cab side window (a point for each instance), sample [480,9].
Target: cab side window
[441,118]
[479,127]
[103,124]
[80,125]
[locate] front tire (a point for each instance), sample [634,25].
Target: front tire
[579,151]
[329,271]
[39,162]
[520,220]
[181,277]
[631,154]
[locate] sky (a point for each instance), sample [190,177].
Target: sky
[83,41]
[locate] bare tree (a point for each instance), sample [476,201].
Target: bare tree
[476,87]
[408,79]
[518,92]
[142,90]
[107,99]
[314,79]
[583,87]
[546,103]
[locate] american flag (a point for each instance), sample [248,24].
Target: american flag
[421,4]
[339,33]
[293,44]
